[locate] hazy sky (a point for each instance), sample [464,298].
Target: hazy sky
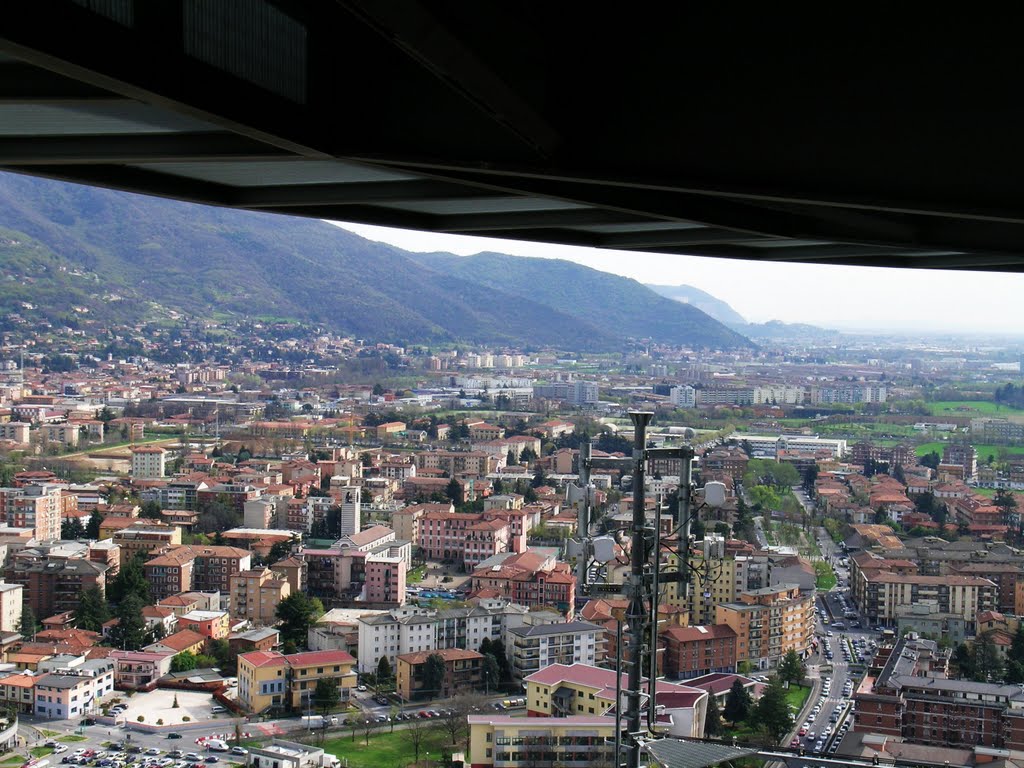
[830,296]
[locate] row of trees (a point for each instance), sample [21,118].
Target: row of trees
[981,660]
[769,717]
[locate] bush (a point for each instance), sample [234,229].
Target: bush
[186,719]
[160,721]
[142,718]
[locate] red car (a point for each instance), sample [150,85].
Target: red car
[794,742]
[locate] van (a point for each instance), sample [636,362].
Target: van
[217,745]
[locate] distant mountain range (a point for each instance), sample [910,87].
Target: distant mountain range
[120,257]
[724,313]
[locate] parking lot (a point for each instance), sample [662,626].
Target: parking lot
[96,752]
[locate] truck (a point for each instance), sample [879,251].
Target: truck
[318,721]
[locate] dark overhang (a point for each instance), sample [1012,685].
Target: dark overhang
[842,139]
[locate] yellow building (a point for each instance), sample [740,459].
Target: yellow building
[255,595]
[729,577]
[504,740]
[769,623]
[271,680]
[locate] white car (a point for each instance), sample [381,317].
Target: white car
[60,749]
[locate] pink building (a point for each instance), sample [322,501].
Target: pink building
[134,669]
[483,540]
[385,580]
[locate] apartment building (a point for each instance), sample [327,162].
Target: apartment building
[53,583]
[698,650]
[500,740]
[476,463]
[580,690]
[530,578]
[385,580]
[75,691]
[406,522]
[148,462]
[769,623]
[11,602]
[531,648]
[34,505]
[143,538]
[271,680]
[15,431]
[884,592]
[463,672]
[255,595]
[728,577]
[66,433]
[200,568]
[410,629]
[911,698]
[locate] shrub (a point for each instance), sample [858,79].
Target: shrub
[186,719]
[142,718]
[160,721]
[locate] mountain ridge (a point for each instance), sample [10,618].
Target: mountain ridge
[118,253]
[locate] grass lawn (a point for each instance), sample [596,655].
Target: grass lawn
[984,450]
[14,759]
[41,751]
[48,732]
[415,576]
[826,576]
[72,737]
[387,750]
[796,695]
[970,408]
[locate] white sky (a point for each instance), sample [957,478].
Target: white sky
[829,296]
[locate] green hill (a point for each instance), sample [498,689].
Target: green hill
[617,304]
[124,257]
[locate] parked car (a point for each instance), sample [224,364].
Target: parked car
[173,735]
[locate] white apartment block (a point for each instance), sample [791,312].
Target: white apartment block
[148,462]
[65,434]
[683,396]
[410,629]
[531,648]
[10,607]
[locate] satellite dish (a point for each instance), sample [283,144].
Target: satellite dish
[604,549]
[714,494]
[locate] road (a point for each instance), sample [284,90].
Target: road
[833,706]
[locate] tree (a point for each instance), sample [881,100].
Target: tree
[130,632]
[183,662]
[326,696]
[539,479]
[384,672]
[931,460]
[1007,505]
[130,581]
[988,667]
[281,550]
[29,625]
[298,612]
[92,610]
[489,672]
[772,711]
[433,676]
[92,528]
[416,730]
[792,668]
[964,661]
[737,703]
[72,528]
[454,491]
[712,718]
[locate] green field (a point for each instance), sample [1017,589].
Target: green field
[796,695]
[970,408]
[984,450]
[826,576]
[389,750]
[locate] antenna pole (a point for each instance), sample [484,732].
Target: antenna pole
[637,614]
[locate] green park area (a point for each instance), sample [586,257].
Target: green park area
[970,408]
[391,749]
[826,576]
[984,450]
